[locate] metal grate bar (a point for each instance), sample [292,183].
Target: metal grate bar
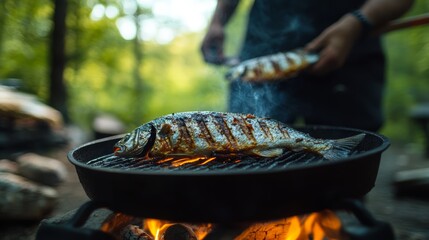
[287,159]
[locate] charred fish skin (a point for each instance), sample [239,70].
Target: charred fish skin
[205,133]
[202,133]
[281,65]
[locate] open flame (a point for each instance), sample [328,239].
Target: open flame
[316,226]
[158,229]
[323,225]
[197,161]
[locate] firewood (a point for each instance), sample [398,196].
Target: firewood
[176,231]
[133,232]
[288,228]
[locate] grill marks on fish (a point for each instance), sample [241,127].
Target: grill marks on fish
[272,67]
[283,130]
[205,133]
[184,134]
[212,132]
[277,68]
[224,129]
[246,128]
[265,130]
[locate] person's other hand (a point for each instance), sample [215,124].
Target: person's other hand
[334,44]
[212,45]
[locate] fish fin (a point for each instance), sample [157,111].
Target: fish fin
[342,148]
[274,152]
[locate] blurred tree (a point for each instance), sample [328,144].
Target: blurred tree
[139,78]
[57,88]
[140,88]
[408,77]
[2,24]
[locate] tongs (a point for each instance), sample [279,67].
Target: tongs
[285,65]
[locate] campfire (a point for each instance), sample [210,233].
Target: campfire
[211,198]
[316,226]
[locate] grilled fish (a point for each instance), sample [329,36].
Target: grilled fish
[210,133]
[272,67]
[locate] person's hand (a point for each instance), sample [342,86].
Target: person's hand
[334,44]
[212,46]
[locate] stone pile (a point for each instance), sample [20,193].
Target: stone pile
[28,186]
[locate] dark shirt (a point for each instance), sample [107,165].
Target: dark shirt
[280,25]
[350,96]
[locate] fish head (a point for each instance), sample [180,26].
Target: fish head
[136,143]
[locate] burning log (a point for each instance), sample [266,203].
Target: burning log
[165,230]
[289,228]
[176,231]
[133,232]
[317,226]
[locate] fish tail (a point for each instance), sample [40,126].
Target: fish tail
[341,148]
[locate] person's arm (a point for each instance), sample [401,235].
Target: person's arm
[335,42]
[212,45]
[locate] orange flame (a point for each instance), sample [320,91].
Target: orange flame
[156,227]
[177,162]
[183,161]
[316,226]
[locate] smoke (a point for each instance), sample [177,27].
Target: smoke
[268,34]
[263,100]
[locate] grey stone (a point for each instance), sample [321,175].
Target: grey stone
[42,169]
[8,166]
[22,199]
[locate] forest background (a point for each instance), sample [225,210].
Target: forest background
[140,59]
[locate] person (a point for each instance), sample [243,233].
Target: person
[344,88]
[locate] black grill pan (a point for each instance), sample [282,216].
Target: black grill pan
[231,194]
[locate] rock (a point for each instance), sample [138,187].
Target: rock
[41,169]
[27,108]
[107,125]
[23,200]
[413,182]
[8,166]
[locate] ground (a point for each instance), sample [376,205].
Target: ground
[409,216]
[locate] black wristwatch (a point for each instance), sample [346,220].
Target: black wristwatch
[367,26]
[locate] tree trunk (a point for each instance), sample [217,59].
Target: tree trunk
[139,86]
[2,24]
[57,89]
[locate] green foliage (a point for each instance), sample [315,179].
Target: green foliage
[24,27]
[408,77]
[138,82]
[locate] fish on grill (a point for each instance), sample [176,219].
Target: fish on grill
[281,65]
[209,133]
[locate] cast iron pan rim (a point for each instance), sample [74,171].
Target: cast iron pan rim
[385,144]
